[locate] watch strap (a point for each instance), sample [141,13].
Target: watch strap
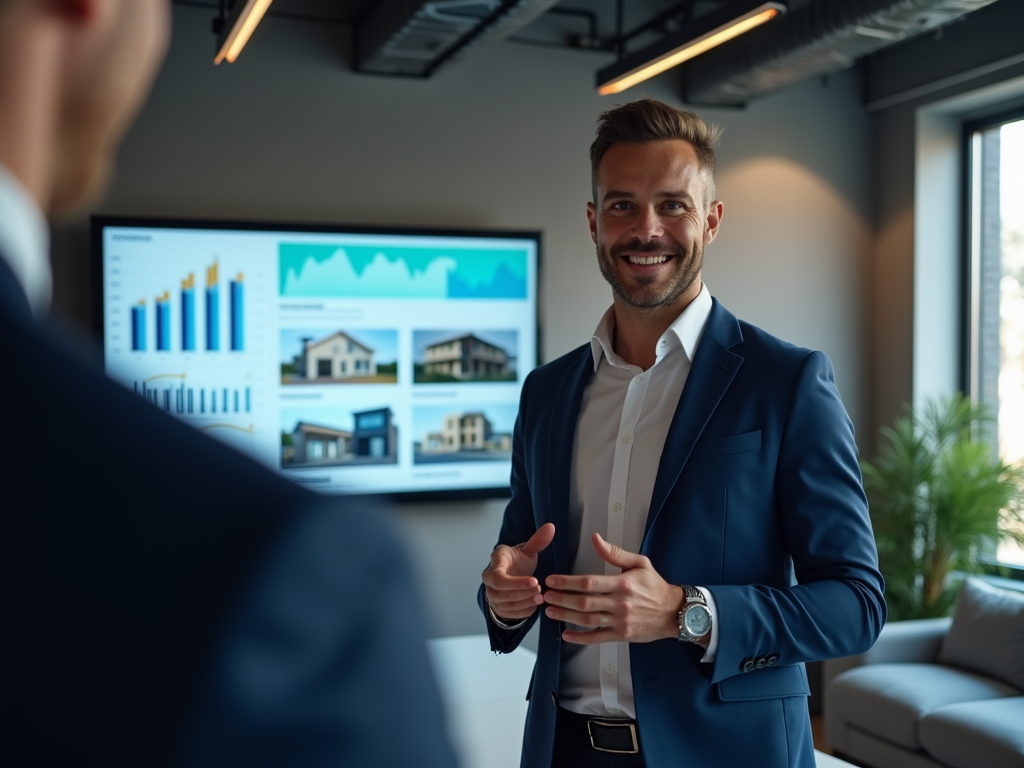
[503,624]
[692,593]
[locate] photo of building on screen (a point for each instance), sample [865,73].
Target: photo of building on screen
[339,356]
[452,357]
[330,437]
[473,434]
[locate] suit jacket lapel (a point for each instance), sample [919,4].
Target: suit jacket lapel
[713,370]
[564,416]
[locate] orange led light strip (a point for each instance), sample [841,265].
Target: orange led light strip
[242,30]
[687,51]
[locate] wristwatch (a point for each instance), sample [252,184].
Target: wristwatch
[695,617]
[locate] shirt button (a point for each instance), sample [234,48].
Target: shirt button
[663,342]
[640,377]
[625,438]
[609,669]
[616,506]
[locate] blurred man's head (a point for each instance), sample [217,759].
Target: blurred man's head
[73,74]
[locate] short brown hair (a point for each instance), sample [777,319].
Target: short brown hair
[650,120]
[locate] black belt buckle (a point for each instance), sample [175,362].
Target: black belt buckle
[613,736]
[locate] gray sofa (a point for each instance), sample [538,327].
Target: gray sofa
[935,693]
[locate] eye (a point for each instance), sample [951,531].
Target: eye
[622,205]
[672,205]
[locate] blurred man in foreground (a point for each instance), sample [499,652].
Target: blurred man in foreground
[164,600]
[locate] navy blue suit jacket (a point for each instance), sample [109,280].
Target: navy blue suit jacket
[164,600]
[758,498]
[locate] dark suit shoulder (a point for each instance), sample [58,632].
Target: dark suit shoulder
[557,367]
[126,536]
[757,342]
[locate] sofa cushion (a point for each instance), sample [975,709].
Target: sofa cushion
[887,700]
[988,733]
[987,635]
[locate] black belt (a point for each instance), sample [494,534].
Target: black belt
[605,734]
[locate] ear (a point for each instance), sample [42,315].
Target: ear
[715,212]
[592,220]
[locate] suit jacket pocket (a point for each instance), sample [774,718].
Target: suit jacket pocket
[768,683]
[723,446]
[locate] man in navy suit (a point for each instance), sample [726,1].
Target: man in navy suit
[163,600]
[687,518]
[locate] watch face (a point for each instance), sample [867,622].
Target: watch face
[697,620]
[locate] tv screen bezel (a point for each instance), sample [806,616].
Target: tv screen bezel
[98,222]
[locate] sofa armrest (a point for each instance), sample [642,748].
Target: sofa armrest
[914,640]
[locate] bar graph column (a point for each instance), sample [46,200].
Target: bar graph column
[212,309]
[188,314]
[237,315]
[163,322]
[139,327]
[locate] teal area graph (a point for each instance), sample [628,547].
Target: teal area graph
[386,272]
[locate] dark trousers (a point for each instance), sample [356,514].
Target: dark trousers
[573,750]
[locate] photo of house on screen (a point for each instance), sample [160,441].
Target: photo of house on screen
[339,357]
[446,357]
[329,437]
[470,435]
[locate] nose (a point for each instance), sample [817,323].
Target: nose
[647,225]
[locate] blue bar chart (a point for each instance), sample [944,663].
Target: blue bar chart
[178,321]
[212,309]
[188,314]
[237,315]
[163,322]
[139,327]
[171,393]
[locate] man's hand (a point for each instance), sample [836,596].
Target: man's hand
[508,581]
[636,606]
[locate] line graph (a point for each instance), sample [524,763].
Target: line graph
[360,271]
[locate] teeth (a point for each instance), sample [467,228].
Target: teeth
[647,259]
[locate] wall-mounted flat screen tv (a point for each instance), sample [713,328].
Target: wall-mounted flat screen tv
[352,360]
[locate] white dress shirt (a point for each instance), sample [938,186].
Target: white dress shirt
[624,420]
[25,241]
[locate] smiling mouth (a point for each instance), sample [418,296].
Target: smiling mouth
[645,260]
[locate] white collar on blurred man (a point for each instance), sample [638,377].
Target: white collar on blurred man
[25,242]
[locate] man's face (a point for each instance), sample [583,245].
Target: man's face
[111,66]
[651,222]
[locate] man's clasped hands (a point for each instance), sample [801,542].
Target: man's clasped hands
[636,605]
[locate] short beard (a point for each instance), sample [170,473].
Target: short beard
[682,282]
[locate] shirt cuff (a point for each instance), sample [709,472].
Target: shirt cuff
[712,649]
[501,624]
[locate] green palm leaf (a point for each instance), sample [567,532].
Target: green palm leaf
[939,500]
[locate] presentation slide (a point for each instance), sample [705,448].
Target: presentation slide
[350,362]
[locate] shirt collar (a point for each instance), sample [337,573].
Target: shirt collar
[685,332]
[25,241]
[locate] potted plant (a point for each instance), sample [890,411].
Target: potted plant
[939,499]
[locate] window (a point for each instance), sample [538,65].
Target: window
[372,420]
[996,302]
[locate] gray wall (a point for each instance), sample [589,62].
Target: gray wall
[497,140]
[919,95]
